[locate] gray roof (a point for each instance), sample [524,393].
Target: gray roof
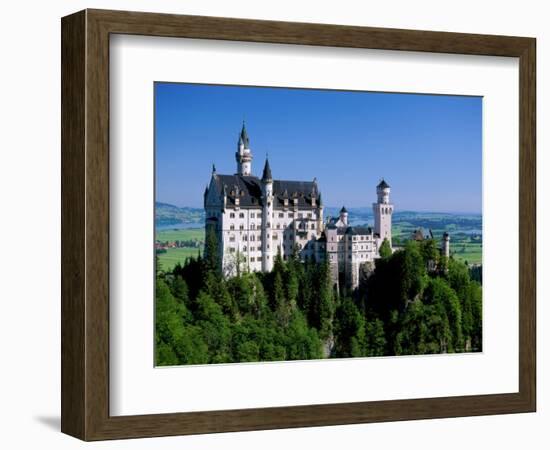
[383,184]
[359,230]
[243,137]
[249,191]
[267,171]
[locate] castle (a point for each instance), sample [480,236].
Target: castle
[255,219]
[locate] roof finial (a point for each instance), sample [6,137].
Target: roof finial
[213,168]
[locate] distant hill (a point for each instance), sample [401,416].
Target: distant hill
[166,214]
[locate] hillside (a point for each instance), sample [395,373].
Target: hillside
[166,214]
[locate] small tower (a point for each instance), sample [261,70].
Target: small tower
[446,245]
[267,218]
[344,216]
[383,211]
[243,155]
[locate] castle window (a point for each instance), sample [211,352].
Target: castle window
[231,238]
[300,215]
[252,215]
[275,237]
[313,226]
[245,238]
[309,215]
[231,249]
[232,227]
[241,227]
[244,248]
[281,215]
[290,215]
[252,238]
[252,259]
[232,215]
[241,215]
[278,226]
[252,226]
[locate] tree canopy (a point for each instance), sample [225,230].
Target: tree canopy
[412,303]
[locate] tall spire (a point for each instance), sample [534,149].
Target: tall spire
[243,137]
[243,155]
[266,177]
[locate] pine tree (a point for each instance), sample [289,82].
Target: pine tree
[385,249]
[211,252]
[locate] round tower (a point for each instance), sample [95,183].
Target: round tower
[243,155]
[383,211]
[446,245]
[267,218]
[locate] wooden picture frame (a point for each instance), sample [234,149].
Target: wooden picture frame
[85,224]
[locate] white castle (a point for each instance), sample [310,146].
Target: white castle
[256,219]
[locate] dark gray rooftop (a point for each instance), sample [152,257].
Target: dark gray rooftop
[359,230]
[249,191]
[383,184]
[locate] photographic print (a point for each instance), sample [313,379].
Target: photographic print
[307,224]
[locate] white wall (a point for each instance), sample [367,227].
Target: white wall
[30,229]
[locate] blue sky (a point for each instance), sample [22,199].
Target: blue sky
[428,147]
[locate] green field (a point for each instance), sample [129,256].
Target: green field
[174,255]
[469,252]
[180,235]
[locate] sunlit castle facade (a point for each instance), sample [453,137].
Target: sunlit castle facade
[255,219]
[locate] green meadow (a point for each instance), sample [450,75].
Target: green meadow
[172,256]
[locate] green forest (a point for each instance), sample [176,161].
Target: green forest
[413,302]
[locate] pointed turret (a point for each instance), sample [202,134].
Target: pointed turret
[267,215]
[243,155]
[243,137]
[344,216]
[266,176]
[383,184]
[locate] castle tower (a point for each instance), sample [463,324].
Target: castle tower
[267,218]
[243,155]
[344,216]
[320,208]
[383,211]
[446,245]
